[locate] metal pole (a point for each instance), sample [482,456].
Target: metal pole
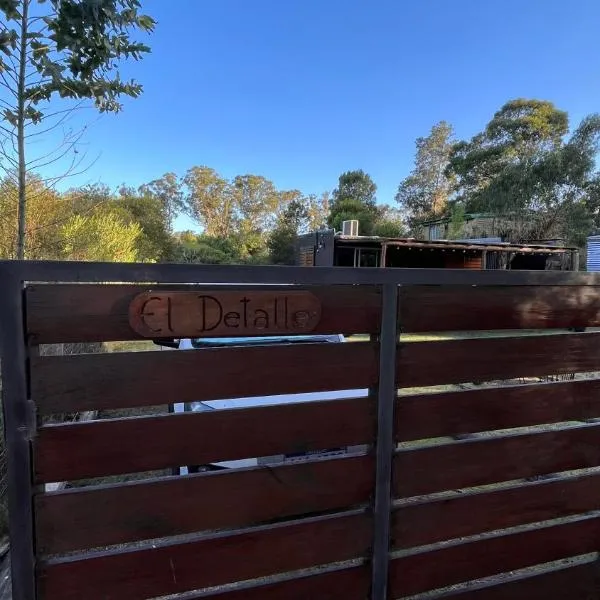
[17,428]
[385,442]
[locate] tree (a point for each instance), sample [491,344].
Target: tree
[424,194]
[167,189]
[46,211]
[390,223]
[208,199]
[524,171]
[67,49]
[100,237]
[147,210]
[282,240]
[204,249]
[354,198]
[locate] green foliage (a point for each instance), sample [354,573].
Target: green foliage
[424,194]
[147,210]
[204,249]
[390,222]
[282,241]
[100,237]
[354,198]
[457,221]
[522,170]
[74,48]
[64,50]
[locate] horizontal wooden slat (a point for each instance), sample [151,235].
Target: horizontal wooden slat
[482,461]
[579,582]
[459,563]
[456,361]
[350,584]
[113,446]
[80,313]
[217,560]
[114,514]
[104,381]
[469,411]
[469,514]
[466,308]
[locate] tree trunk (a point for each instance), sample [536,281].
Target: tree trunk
[22,206]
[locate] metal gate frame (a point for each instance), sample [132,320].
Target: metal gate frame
[19,411]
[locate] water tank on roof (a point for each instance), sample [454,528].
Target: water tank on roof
[350,228]
[593,253]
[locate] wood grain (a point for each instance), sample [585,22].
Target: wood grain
[470,514]
[350,584]
[105,381]
[114,446]
[479,462]
[116,514]
[456,361]
[579,582]
[455,413]
[79,313]
[468,308]
[445,566]
[216,560]
[224,313]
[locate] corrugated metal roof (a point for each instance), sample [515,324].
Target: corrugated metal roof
[593,253]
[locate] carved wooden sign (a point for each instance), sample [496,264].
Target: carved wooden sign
[221,313]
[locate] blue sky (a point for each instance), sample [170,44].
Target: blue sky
[302,90]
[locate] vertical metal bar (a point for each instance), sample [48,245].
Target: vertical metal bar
[385,441]
[17,435]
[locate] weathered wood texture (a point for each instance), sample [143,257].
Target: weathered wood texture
[104,381]
[450,565]
[467,308]
[470,514]
[217,560]
[479,462]
[114,514]
[113,446]
[579,582]
[470,411]
[68,313]
[224,313]
[457,361]
[347,584]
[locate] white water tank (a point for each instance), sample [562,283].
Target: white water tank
[593,253]
[350,228]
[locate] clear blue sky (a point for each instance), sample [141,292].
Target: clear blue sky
[302,90]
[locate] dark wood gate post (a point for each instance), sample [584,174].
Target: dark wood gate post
[385,441]
[17,428]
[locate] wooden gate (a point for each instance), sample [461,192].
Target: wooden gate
[480,478]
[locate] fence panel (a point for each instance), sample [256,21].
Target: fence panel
[491,474]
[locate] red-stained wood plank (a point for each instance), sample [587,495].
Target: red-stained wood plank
[350,584]
[79,313]
[451,565]
[478,462]
[114,514]
[454,413]
[579,582]
[113,446]
[470,514]
[456,361]
[467,308]
[105,381]
[217,560]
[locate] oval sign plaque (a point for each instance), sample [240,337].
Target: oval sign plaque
[220,313]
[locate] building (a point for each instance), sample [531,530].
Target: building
[327,248]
